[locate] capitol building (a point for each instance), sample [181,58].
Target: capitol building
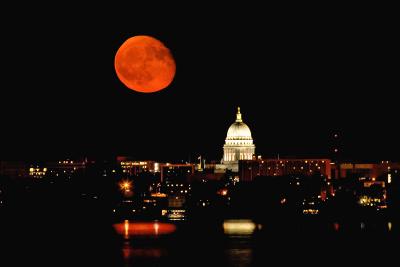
[238,145]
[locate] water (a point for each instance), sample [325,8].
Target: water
[243,242]
[50,238]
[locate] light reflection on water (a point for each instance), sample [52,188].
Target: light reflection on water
[130,229]
[130,252]
[238,253]
[247,250]
[363,226]
[336,226]
[239,257]
[239,227]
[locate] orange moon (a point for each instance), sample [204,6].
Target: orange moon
[144,64]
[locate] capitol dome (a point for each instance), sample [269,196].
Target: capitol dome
[238,143]
[239,130]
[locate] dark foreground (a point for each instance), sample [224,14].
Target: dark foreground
[63,227]
[81,236]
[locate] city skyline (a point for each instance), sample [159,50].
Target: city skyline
[333,142]
[298,82]
[222,134]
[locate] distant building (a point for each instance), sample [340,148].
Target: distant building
[205,176]
[65,167]
[14,169]
[50,168]
[36,171]
[383,169]
[176,172]
[238,146]
[249,169]
[134,167]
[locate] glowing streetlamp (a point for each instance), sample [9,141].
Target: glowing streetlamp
[125,186]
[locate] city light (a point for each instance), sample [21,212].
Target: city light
[160,195]
[311,211]
[125,185]
[223,192]
[176,215]
[369,201]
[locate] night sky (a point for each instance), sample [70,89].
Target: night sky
[299,76]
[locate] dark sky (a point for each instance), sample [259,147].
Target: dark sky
[299,76]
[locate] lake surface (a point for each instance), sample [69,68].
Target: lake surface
[243,242]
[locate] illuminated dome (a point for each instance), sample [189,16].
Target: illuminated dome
[239,130]
[238,143]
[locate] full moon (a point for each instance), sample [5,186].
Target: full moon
[144,64]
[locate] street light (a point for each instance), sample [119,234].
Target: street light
[125,185]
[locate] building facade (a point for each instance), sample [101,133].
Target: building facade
[238,145]
[14,169]
[134,168]
[249,169]
[383,169]
[176,172]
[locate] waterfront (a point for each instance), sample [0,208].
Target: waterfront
[84,220]
[86,238]
[305,242]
